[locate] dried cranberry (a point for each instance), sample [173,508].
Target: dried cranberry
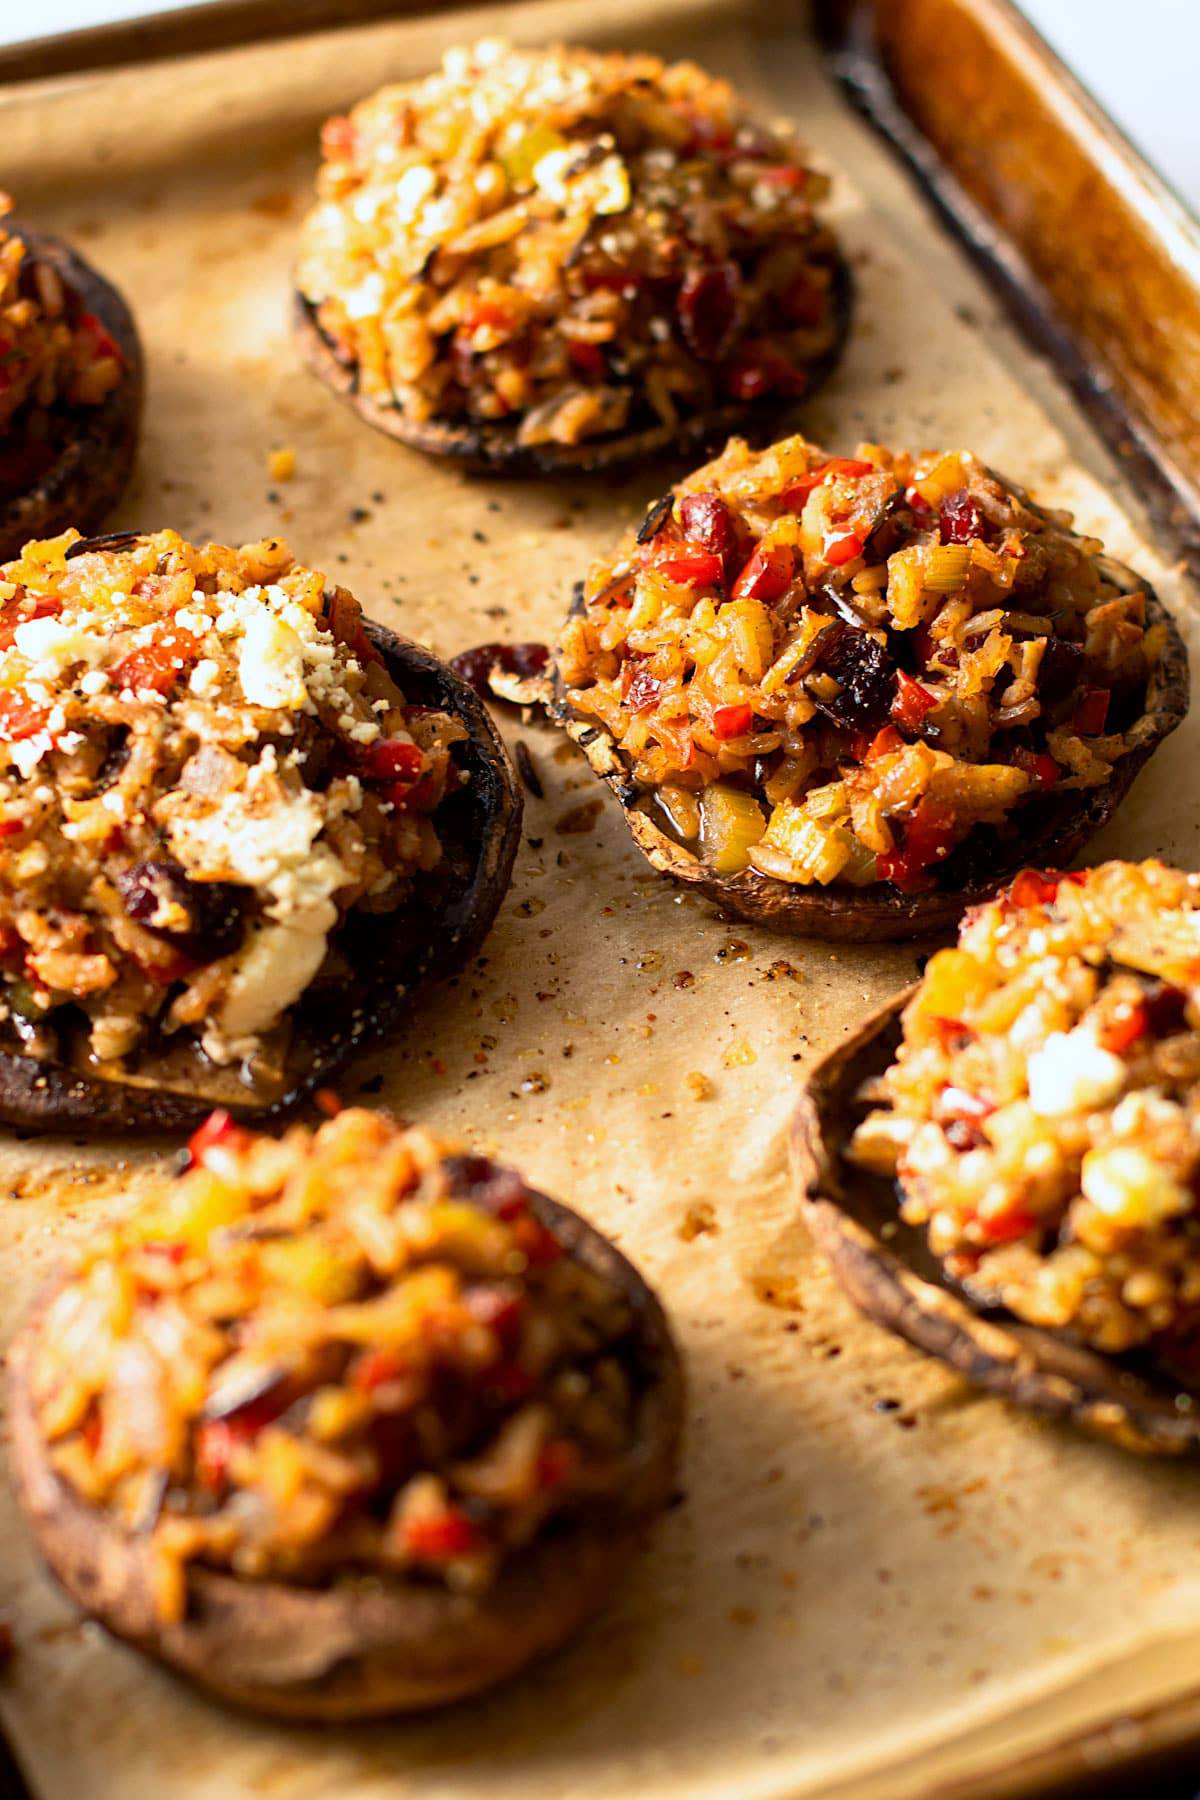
[1165,1008]
[864,673]
[475,666]
[212,921]
[707,520]
[1059,670]
[708,309]
[961,519]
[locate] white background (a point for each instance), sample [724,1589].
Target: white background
[1141,58]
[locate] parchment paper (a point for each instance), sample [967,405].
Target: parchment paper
[878,1582]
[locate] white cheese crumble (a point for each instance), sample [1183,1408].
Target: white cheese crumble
[1073,1073]
[53,647]
[271,663]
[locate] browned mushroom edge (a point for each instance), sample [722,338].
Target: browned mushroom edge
[393,953]
[97,443]
[364,1647]
[1049,832]
[889,1273]
[494,449]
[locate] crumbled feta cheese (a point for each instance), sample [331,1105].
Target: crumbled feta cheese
[205,676]
[412,190]
[1073,1073]
[53,647]
[196,619]
[271,664]
[94,682]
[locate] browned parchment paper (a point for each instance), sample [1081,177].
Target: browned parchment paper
[878,1582]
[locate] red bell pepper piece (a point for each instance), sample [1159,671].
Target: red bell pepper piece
[1038,764]
[1034,887]
[796,492]
[97,338]
[19,717]
[732,721]
[1007,1227]
[1125,1028]
[841,548]
[158,667]
[11,827]
[767,575]
[390,759]
[912,702]
[884,743]
[695,568]
[375,1368]
[1091,712]
[219,1132]
[928,838]
[918,506]
[442,1536]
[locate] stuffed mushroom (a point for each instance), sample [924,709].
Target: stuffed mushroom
[555,259]
[1003,1165]
[70,388]
[345,1423]
[238,824]
[846,696]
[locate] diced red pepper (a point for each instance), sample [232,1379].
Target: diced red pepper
[490,314]
[1091,712]
[158,667]
[20,610]
[918,506]
[884,743]
[912,702]
[787,175]
[390,759]
[558,1460]
[219,1132]
[375,1368]
[217,1439]
[1039,765]
[642,690]
[589,359]
[961,519]
[19,717]
[696,568]
[92,1429]
[338,137]
[732,721]
[441,1536]
[97,339]
[767,575]
[796,492]
[539,1244]
[11,827]
[173,1252]
[1034,887]
[1007,1227]
[927,839]
[706,519]
[841,548]
[1125,1027]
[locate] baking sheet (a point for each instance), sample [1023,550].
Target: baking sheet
[878,1583]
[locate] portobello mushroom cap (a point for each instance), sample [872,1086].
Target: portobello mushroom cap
[890,1274]
[95,445]
[1050,832]
[495,449]
[367,1646]
[393,954]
